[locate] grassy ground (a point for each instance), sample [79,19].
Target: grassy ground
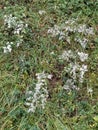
[41,83]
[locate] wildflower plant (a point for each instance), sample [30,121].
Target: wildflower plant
[38,98]
[48,64]
[14,29]
[71,27]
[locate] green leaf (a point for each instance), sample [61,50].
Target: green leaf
[59,125]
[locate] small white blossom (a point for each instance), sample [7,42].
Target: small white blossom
[83,56]
[74,68]
[7,49]
[41,12]
[70,85]
[85,30]
[29,92]
[29,99]
[66,55]
[68,39]
[54,31]
[41,75]
[69,29]
[52,53]
[90,90]
[90,31]
[83,42]
[70,21]
[18,44]
[61,35]
[81,28]
[83,69]
[26,25]
[27,104]
[49,76]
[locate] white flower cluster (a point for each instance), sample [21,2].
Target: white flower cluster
[70,21]
[8,47]
[74,70]
[90,91]
[18,27]
[12,22]
[85,30]
[67,55]
[83,56]
[71,26]
[38,98]
[55,31]
[70,85]
[83,69]
[82,42]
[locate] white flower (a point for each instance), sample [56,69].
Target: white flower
[83,42]
[90,31]
[70,21]
[83,69]
[85,30]
[62,35]
[41,12]
[68,39]
[54,31]
[70,85]
[73,70]
[52,53]
[27,104]
[69,29]
[18,44]
[83,56]
[81,28]
[28,99]
[49,76]
[7,49]
[41,75]
[89,90]
[26,25]
[66,55]
[38,86]
[17,31]
[31,109]
[29,92]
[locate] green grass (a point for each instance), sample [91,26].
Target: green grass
[40,51]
